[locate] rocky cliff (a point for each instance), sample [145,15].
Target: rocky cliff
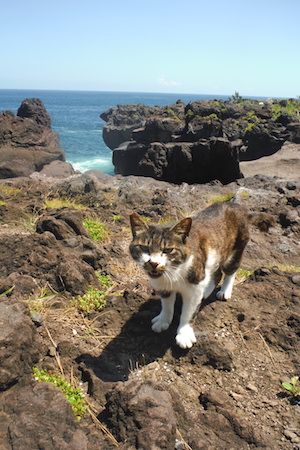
[27,142]
[198,142]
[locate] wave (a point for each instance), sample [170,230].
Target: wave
[103,164]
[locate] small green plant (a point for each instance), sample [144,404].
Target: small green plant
[221,198]
[236,98]
[292,386]
[290,107]
[2,203]
[96,229]
[252,120]
[117,218]
[243,274]
[92,300]
[104,280]
[58,203]
[74,395]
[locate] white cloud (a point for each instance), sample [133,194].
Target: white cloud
[167,82]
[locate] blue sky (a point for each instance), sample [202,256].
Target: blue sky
[186,46]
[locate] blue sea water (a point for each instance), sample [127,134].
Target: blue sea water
[75,117]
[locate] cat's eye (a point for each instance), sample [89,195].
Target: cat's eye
[144,248]
[169,251]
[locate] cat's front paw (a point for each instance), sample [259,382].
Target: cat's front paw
[160,323]
[185,337]
[223,295]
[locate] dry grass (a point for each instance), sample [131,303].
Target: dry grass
[59,203]
[9,191]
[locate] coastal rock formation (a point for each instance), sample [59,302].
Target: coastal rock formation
[27,142]
[178,143]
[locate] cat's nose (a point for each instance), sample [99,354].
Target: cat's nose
[153,264]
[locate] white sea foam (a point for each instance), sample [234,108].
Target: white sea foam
[103,164]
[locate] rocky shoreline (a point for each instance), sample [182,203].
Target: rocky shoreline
[198,142]
[80,368]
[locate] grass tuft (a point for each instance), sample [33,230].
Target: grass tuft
[104,280]
[96,229]
[292,386]
[58,203]
[2,203]
[117,218]
[74,396]
[92,300]
[243,274]
[289,268]
[221,198]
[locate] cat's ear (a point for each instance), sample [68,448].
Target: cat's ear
[137,224]
[183,228]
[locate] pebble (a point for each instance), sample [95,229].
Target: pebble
[291,186]
[52,351]
[251,387]
[236,396]
[37,319]
[296,279]
[291,436]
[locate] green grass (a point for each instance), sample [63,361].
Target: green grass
[58,203]
[73,395]
[92,300]
[96,229]
[292,386]
[117,218]
[244,273]
[7,292]
[2,203]
[292,108]
[104,280]
[221,198]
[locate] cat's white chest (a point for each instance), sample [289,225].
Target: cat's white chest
[175,280]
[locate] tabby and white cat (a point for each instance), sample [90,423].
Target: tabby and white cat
[189,258]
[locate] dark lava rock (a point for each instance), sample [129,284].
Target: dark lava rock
[27,144]
[65,265]
[33,108]
[17,343]
[200,162]
[63,224]
[38,417]
[155,141]
[208,351]
[142,415]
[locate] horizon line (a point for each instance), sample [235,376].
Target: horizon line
[147,92]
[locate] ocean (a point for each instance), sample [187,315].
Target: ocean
[75,117]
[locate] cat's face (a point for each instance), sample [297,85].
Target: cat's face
[158,250]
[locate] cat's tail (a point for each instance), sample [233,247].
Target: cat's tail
[263,221]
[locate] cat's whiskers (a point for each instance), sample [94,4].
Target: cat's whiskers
[169,278]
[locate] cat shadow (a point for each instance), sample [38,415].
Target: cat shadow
[137,345]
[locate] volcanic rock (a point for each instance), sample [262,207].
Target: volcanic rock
[142,414]
[27,142]
[37,416]
[17,350]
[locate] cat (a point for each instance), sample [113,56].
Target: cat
[189,258]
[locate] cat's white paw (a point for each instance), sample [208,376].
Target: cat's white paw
[186,337]
[223,295]
[160,323]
